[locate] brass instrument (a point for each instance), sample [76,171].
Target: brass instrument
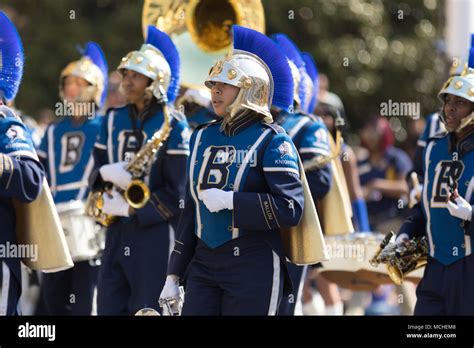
[201,29]
[401,259]
[38,224]
[335,208]
[170,306]
[320,161]
[304,244]
[137,193]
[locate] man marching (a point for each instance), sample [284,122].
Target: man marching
[445,213]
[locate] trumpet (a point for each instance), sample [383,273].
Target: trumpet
[137,193]
[401,259]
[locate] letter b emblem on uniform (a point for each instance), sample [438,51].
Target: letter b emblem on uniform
[215,169]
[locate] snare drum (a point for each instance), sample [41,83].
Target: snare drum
[349,265]
[83,235]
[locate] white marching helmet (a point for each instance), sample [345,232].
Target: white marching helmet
[259,69]
[461,86]
[157,59]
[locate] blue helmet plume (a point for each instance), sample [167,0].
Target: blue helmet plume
[471,53]
[252,41]
[97,56]
[312,70]
[293,54]
[163,43]
[11,58]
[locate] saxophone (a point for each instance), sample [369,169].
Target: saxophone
[137,193]
[402,258]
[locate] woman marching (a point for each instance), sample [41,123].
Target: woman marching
[138,243]
[243,186]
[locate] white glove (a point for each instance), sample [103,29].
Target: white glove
[401,238]
[462,209]
[115,205]
[415,195]
[171,291]
[216,199]
[116,174]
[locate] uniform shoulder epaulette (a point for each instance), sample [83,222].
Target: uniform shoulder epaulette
[276,128]
[6,112]
[438,135]
[207,124]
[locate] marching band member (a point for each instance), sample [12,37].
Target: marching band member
[433,126]
[66,153]
[138,244]
[21,173]
[243,186]
[444,217]
[310,137]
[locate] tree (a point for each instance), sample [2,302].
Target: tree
[372,51]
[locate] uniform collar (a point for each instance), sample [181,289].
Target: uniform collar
[239,122]
[464,144]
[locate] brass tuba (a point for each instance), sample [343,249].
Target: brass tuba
[201,29]
[137,193]
[401,259]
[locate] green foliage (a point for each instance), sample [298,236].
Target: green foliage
[53,30]
[389,47]
[372,51]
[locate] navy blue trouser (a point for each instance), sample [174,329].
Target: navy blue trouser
[10,286]
[70,292]
[446,290]
[297,275]
[241,277]
[133,268]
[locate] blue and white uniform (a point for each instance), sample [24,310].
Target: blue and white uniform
[433,126]
[137,248]
[21,177]
[21,173]
[446,288]
[224,250]
[66,153]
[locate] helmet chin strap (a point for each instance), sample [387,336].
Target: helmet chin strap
[466,122]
